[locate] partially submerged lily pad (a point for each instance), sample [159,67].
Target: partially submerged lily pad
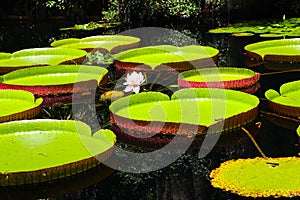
[47,150]
[18,104]
[41,57]
[156,57]
[55,80]
[195,109]
[105,43]
[259,177]
[288,101]
[221,77]
[283,50]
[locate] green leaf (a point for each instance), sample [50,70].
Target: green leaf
[283,50]
[17,104]
[154,56]
[259,177]
[42,149]
[190,106]
[41,56]
[107,42]
[54,75]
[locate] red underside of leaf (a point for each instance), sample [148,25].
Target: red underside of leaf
[235,84]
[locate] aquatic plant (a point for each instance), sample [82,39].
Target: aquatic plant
[259,177]
[133,82]
[18,104]
[287,101]
[47,150]
[265,28]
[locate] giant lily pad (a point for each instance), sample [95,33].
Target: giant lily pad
[221,77]
[195,108]
[18,104]
[4,55]
[259,177]
[283,50]
[55,80]
[41,57]
[106,43]
[288,101]
[156,57]
[46,150]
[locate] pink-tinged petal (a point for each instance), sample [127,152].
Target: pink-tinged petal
[128,88]
[136,89]
[126,83]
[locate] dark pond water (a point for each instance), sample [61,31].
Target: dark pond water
[186,178]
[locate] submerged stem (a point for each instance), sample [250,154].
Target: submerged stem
[254,142]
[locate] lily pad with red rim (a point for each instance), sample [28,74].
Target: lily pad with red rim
[18,104]
[278,51]
[155,58]
[222,77]
[259,177]
[48,150]
[134,113]
[105,43]
[41,57]
[55,80]
[287,102]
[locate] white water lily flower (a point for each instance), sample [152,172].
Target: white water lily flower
[133,82]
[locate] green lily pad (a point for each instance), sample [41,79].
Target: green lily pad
[92,26]
[54,75]
[51,80]
[288,101]
[242,34]
[154,56]
[4,55]
[259,177]
[221,77]
[283,50]
[197,103]
[271,35]
[46,150]
[41,56]
[109,43]
[18,104]
[263,27]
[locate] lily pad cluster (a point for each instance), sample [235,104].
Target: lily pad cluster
[264,28]
[92,26]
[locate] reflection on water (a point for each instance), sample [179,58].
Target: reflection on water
[188,177]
